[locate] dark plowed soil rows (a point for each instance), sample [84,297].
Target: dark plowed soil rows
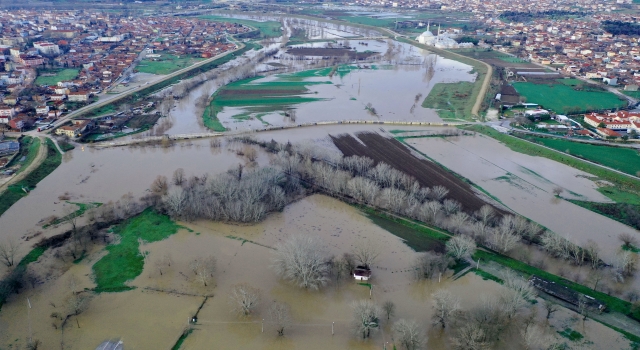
[324,52]
[394,153]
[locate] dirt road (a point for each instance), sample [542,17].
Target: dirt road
[40,157]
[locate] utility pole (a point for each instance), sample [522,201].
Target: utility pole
[29,318]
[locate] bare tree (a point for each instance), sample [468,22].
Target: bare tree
[8,250]
[366,317]
[450,206]
[244,299]
[592,251]
[518,294]
[389,308]
[163,264]
[429,211]
[300,259]
[439,192]
[457,221]
[460,246]
[503,237]
[550,308]
[160,185]
[203,268]
[627,239]
[557,191]
[280,316]
[178,177]
[409,335]
[485,214]
[625,263]
[470,336]
[365,254]
[428,264]
[534,337]
[446,306]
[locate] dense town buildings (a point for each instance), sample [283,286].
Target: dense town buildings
[100,47]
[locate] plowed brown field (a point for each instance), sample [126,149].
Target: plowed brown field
[394,153]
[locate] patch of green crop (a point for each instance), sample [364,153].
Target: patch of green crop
[565,99]
[571,334]
[451,100]
[124,261]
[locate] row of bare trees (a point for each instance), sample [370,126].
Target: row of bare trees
[237,195]
[482,326]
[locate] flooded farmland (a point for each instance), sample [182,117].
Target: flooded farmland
[244,255]
[389,84]
[525,184]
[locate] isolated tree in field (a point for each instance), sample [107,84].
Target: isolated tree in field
[163,264]
[389,309]
[178,177]
[366,317]
[243,299]
[409,335]
[550,308]
[280,316]
[461,246]
[300,259]
[470,336]
[627,240]
[8,251]
[366,253]
[557,191]
[446,305]
[535,337]
[203,268]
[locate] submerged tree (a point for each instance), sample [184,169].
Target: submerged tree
[446,305]
[280,316]
[243,299]
[409,335]
[366,317]
[300,259]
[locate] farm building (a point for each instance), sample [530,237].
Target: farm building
[564,293]
[362,273]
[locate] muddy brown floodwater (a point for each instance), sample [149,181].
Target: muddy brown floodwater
[154,320]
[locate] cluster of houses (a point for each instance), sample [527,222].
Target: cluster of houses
[100,46]
[614,124]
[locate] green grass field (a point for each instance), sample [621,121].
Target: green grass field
[268,29]
[257,98]
[167,64]
[451,100]
[61,75]
[124,261]
[624,159]
[560,97]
